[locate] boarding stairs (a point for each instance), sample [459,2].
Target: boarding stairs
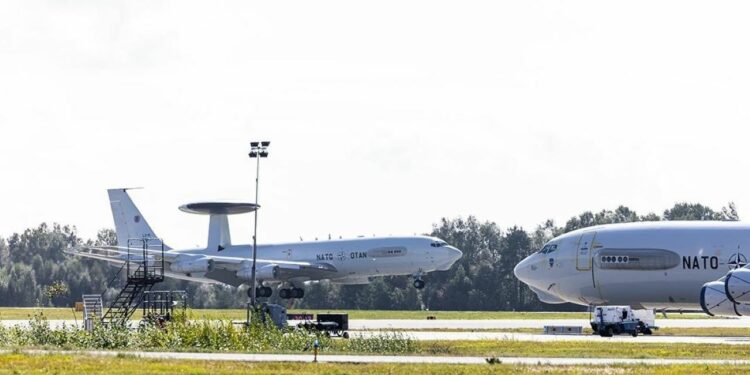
[92,310]
[144,268]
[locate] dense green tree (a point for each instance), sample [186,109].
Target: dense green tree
[34,262]
[697,211]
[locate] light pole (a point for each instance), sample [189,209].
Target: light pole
[258,150]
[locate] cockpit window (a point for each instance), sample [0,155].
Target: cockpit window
[548,249]
[439,244]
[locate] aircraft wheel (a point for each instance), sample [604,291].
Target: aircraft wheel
[285,293]
[418,283]
[264,292]
[298,293]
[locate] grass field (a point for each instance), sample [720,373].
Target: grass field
[75,364]
[575,349]
[506,348]
[239,314]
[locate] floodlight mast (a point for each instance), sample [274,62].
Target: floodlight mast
[258,150]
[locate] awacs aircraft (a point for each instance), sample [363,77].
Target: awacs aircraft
[659,265]
[285,265]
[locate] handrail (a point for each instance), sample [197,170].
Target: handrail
[111,282]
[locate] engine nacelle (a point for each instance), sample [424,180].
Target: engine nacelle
[193,265]
[265,272]
[737,285]
[714,301]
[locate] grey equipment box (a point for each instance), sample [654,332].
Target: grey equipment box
[276,313]
[563,330]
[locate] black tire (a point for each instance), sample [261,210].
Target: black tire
[298,293]
[419,284]
[635,333]
[610,332]
[265,292]
[345,335]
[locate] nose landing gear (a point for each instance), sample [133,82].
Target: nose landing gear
[418,282]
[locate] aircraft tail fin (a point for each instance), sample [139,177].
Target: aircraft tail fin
[129,223]
[218,232]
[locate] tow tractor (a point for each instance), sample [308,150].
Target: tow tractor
[608,321]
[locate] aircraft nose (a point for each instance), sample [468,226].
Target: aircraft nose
[522,270]
[453,253]
[447,257]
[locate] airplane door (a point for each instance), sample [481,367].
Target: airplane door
[584,250]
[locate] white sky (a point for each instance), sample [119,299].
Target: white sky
[384,116]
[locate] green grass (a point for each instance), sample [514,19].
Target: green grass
[575,349]
[78,364]
[240,314]
[184,334]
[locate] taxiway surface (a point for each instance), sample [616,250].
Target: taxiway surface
[396,359]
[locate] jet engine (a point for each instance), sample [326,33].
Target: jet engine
[192,265]
[265,272]
[737,285]
[714,301]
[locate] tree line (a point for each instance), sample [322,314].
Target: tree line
[35,271]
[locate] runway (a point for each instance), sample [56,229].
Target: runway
[396,359]
[478,336]
[465,325]
[470,325]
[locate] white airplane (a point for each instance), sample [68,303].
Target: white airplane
[287,265]
[655,265]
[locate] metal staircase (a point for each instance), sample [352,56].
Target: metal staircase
[92,310]
[144,267]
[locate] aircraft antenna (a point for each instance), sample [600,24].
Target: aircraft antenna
[739,254]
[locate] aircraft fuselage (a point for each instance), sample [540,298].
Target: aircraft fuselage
[651,265]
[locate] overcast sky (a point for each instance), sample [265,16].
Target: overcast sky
[384,116]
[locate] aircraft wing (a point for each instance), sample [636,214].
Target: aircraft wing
[224,269]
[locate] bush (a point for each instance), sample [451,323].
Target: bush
[183,333]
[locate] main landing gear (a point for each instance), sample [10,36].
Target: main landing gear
[284,293]
[289,293]
[261,292]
